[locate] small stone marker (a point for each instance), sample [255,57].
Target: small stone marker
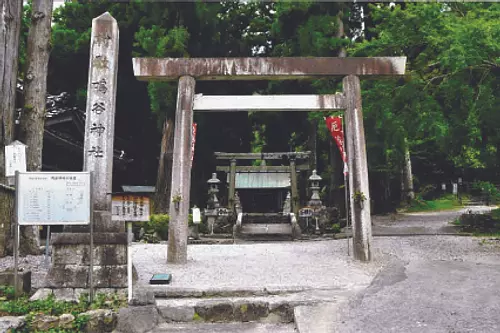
[196,215]
[100,119]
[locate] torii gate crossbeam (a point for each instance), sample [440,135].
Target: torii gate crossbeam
[188,70]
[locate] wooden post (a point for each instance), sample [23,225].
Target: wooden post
[232,184]
[181,173]
[293,185]
[358,170]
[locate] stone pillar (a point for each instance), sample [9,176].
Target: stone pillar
[293,186]
[358,170]
[181,173]
[71,248]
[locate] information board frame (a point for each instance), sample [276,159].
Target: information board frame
[89,221]
[24,178]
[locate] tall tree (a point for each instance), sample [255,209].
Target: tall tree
[10,29]
[35,91]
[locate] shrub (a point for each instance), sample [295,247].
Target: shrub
[488,190]
[158,223]
[335,228]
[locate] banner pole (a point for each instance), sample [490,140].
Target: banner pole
[346,192]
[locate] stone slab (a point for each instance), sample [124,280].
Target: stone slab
[41,294]
[79,254]
[258,308]
[74,276]
[107,238]
[316,318]
[224,328]
[137,319]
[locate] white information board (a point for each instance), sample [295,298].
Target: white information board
[15,159]
[53,198]
[130,208]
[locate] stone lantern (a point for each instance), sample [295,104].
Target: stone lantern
[211,211]
[213,189]
[314,181]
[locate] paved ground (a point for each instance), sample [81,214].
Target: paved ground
[225,328]
[421,223]
[430,283]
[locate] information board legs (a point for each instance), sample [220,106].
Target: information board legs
[129,260]
[47,242]
[16,238]
[16,259]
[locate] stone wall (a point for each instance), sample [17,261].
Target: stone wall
[7,198]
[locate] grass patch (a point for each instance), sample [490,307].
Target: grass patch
[447,202]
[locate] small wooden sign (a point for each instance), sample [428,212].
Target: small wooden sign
[130,208]
[15,158]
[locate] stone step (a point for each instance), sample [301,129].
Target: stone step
[269,309]
[266,229]
[224,328]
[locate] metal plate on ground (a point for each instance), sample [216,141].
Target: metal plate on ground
[161,279]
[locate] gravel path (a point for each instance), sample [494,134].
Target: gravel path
[284,265]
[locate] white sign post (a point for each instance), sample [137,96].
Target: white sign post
[15,160]
[53,198]
[130,208]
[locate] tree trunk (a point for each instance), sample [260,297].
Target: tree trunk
[162,196]
[10,28]
[407,182]
[35,91]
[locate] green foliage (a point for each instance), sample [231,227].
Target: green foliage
[481,224]
[335,228]
[445,202]
[7,292]
[158,223]
[49,306]
[488,190]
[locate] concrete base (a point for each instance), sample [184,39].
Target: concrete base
[71,261]
[23,281]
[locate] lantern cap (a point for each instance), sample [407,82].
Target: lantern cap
[214,179]
[315,176]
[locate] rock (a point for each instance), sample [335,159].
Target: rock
[142,297]
[137,319]
[250,311]
[43,322]
[66,320]
[176,313]
[65,294]
[9,323]
[215,311]
[41,294]
[100,321]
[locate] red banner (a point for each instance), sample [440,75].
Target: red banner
[193,141]
[334,125]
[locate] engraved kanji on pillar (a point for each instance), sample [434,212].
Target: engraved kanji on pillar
[101,98]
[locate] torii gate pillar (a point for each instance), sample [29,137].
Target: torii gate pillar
[358,169]
[189,69]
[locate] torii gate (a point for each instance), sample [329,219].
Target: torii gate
[188,70]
